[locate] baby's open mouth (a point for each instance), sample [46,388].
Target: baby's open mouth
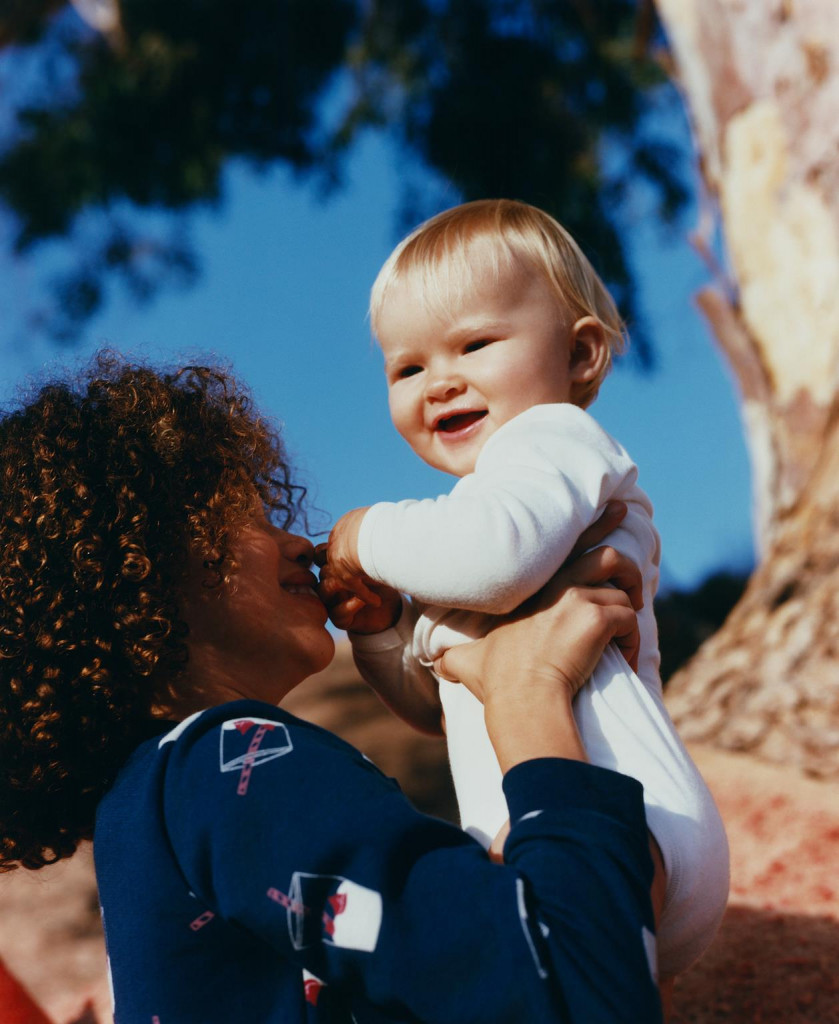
[460,420]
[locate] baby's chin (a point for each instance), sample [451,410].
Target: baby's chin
[456,451]
[455,464]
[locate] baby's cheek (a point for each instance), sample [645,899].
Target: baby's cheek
[408,427]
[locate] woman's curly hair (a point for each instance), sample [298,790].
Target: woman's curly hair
[108,481]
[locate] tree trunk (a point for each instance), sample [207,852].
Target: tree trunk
[761,82]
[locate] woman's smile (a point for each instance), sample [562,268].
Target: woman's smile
[302,584]
[269,624]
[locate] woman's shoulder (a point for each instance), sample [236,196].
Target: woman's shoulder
[231,741]
[249,731]
[241,716]
[240,739]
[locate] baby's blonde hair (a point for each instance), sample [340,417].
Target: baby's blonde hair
[501,235]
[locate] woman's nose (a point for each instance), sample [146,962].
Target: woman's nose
[298,549]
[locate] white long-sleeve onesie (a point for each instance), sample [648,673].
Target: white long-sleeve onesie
[478,552]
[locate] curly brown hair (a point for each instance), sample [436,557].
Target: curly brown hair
[108,480]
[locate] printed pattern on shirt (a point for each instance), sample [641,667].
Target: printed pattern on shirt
[248,742]
[312,987]
[331,910]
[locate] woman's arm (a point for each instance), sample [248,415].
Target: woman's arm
[326,861]
[554,643]
[388,663]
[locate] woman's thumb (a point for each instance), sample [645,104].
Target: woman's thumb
[443,670]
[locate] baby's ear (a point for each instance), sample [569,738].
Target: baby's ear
[589,354]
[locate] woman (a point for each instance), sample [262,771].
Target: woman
[253,867]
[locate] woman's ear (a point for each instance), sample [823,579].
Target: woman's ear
[589,355]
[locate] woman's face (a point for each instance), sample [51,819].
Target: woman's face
[265,631]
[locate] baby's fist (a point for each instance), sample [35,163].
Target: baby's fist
[349,611]
[342,556]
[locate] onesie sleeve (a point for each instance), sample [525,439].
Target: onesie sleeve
[504,530]
[287,832]
[387,663]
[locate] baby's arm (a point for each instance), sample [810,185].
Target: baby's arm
[503,531]
[387,663]
[381,640]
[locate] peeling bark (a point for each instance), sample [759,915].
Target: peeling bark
[761,82]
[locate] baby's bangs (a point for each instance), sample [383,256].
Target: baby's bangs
[446,276]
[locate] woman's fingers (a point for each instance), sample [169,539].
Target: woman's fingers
[588,619]
[564,638]
[600,566]
[585,567]
[610,519]
[620,623]
[459,661]
[442,670]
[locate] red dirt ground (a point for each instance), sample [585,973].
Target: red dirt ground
[775,961]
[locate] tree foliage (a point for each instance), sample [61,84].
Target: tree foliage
[543,100]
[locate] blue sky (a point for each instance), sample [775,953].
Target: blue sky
[283,295]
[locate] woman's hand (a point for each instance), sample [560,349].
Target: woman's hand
[527,670]
[560,634]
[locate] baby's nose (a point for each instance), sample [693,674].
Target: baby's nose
[445,385]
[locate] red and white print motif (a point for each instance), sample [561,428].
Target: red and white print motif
[248,742]
[201,920]
[311,987]
[331,910]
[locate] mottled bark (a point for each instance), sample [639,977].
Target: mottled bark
[761,83]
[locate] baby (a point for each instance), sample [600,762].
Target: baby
[497,334]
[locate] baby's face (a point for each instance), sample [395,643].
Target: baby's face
[454,379]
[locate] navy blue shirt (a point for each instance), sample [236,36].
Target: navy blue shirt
[255,868]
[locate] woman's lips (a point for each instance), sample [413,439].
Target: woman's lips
[303,585]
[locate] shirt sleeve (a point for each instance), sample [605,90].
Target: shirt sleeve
[505,529]
[314,851]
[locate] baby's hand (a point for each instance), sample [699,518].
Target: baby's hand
[353,600]
[349,611]
[342,557]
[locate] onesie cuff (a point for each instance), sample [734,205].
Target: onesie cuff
[366,532]
[558,784]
